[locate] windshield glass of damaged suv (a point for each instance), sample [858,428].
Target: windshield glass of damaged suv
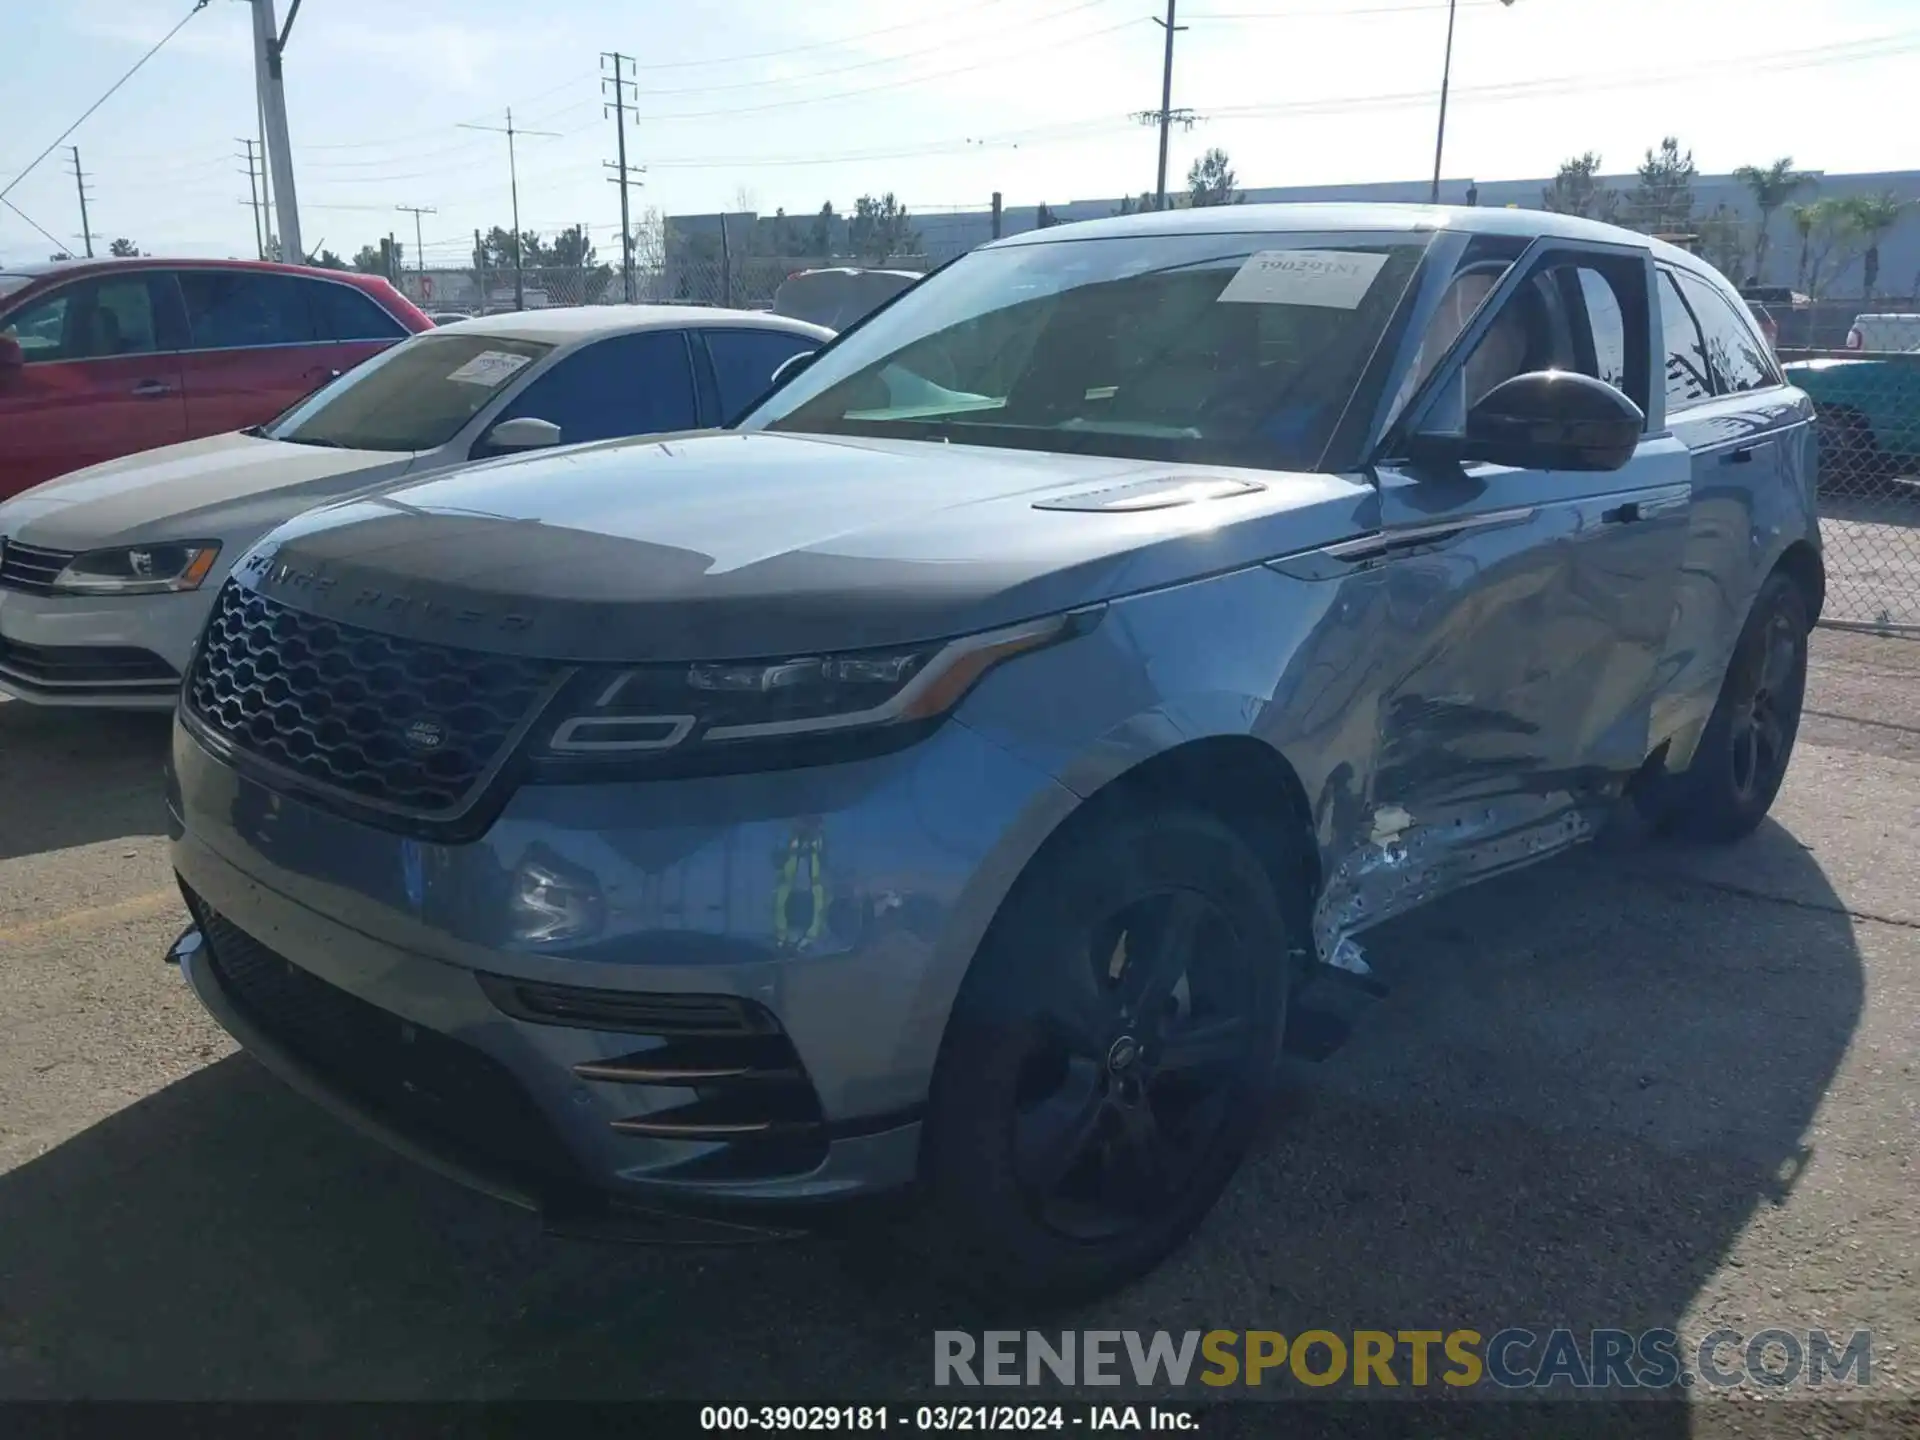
[1221,349]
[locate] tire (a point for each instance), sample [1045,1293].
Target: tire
[1726,791]
[1090,1104]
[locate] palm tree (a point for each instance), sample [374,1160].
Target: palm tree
[1874,216]
[1804,218]
[1772,186]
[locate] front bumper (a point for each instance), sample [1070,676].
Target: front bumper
[103,652]
[398,980]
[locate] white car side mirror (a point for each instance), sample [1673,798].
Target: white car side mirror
[527,432]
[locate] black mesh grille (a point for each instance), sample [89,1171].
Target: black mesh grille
[411,725]
[430,1087]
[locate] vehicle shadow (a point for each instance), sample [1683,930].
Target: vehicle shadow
[74,777]
[1586,1081]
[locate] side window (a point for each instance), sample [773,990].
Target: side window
[88,320]
[1689,375]
[1608,327]
[240,309]
[344,313]
[1739,357]
[744,362]
[638,384]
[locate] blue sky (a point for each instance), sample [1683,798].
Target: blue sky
[781,104]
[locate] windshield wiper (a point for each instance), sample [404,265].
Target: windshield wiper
[308,440]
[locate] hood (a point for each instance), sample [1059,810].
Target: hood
[189,491]
[736,545]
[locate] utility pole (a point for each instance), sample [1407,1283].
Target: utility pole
[253,197]
[419,245]
[513,179]
[80,183]
[620,168]
[269,49]
[1446,76]
[1166,106]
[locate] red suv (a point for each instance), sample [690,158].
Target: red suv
[103,358]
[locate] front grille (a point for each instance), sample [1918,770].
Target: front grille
[411,726]
[30,568]
[116,668]
[437,1091]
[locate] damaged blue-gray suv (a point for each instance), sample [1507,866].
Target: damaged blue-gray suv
[938,784]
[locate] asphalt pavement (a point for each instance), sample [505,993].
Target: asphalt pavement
[1639,1088]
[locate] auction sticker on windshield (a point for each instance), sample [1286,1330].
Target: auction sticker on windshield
[1335,279]
[489,368]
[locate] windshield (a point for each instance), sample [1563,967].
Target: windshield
[1225,349]
[413,396]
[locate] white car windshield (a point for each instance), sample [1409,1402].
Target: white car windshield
[1238,349]
[415,396]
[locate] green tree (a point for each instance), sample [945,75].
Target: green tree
[820,233]
[1044,218]
[1576,190]
[327,260]
[123,248]
[1771,187]
[880,227]
[1830,237]
[1211,181]
[368,260]
[1873,216]
[1662,203]
[1129,205]
[1723,241]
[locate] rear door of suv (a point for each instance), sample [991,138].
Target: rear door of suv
[1728,402]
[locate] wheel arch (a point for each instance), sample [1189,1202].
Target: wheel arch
[1800,562]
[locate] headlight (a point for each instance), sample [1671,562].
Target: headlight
[687,718]
[139,569]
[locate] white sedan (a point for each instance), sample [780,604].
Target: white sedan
[107,574]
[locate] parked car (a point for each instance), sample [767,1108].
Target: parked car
[1899,333]
[949,774]
[838,296]
[104,358]
[1869,422]
[106,576]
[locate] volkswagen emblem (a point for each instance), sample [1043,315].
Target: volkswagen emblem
[424,734]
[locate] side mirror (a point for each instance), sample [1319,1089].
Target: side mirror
[790,367]
[1544,420]
[524,433]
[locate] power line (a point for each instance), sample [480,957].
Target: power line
[198,6]
[33,222]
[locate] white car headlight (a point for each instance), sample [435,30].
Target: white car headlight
[172,565]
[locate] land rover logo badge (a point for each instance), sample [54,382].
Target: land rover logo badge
[426,734]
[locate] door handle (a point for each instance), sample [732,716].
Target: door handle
[153,387]
[1742,456]
[1623,514]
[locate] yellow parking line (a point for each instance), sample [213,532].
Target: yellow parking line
[134,908]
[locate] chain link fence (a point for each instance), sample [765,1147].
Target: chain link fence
[1868,408]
